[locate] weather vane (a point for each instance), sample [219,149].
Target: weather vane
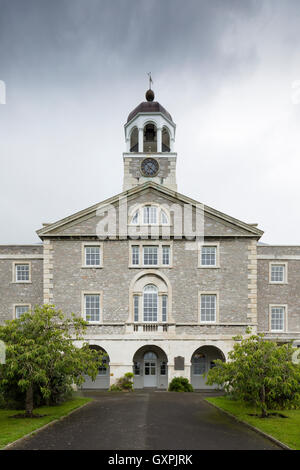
[150,80]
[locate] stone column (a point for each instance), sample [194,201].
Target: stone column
[159,139]
[141,140]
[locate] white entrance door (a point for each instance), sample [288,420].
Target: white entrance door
[150,370]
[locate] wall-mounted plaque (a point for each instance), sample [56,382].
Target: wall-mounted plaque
[179,363]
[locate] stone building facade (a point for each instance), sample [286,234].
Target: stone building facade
[163,281]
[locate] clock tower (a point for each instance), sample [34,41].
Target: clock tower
[150,137]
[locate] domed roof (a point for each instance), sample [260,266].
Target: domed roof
[149,106]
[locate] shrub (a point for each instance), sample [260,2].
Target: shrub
[180,384]
[124,383]
[42,361]
[260,372]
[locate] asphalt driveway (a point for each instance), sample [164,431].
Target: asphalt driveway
[147,420]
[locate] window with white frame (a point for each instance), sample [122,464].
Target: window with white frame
[277,319]
[20,309]
[136,307]
[150,255]
[150,215]
[145,254]
[166,255]
[92,307]
[22,272]
[278,273]
[92,255]
[150,303]
[208,308]
[135,254]
[164,308]
[208,255]
[198,364]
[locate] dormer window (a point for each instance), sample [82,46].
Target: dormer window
[150,215]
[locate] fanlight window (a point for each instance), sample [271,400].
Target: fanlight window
[150,215]
[150,356]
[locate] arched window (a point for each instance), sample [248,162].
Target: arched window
[150,215]
[165,140]
[150,138]
[150,356]
[134,140]
[150,303]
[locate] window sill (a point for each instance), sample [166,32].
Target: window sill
[150,266]
[91,267]
[208,267]
[21,282]
[278,283]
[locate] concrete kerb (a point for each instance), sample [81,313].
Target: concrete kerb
[258,431]
[11,444]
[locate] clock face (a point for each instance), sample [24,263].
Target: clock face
[149,167]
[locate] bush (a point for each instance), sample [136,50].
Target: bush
[259,372]
[180,384]
[123,384]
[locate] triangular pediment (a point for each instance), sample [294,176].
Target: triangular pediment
[85,222]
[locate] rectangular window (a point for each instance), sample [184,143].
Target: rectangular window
[163,368]
[135,254]
[150,255]
[166,255]
[277,318]
[136,307]
[150,306]
[136,368]
[277,273]
[150,215]
[164,308]
[20,309]
[92,307]
[208,308]
[22,272]
[92,255]
[209,256]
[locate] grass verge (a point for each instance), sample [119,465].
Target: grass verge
[285,430]
[12,429]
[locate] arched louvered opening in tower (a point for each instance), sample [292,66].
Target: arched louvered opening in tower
[150,138]
[166,147]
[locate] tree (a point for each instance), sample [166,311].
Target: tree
[40,350]
[261,372]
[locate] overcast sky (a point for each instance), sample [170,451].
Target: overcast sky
[228,71]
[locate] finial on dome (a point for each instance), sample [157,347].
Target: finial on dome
[149,95]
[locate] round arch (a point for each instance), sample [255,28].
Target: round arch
[202,360]
[137,284]
[150,137]
[134,139]
[150,367]
[102,380]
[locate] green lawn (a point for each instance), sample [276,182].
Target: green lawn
[286,430]
[12,429]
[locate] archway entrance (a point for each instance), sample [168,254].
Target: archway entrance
[150,368]
[202,361]
[103,377]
